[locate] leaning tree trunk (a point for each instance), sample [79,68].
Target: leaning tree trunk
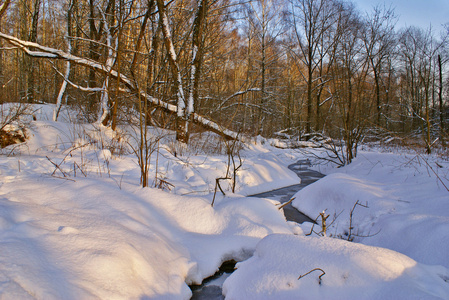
[51,53]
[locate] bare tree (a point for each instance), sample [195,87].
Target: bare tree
[349,79]
[3,8]
[379,39]
[419,51]
[181,121]
[33,38]
[266,27]
[197,56]
[311,20]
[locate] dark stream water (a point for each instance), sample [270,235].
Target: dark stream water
[210,289]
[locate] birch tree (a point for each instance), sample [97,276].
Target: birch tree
[68,64]
[181,120]
[197,53]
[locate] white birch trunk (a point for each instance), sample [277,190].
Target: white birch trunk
[193,71]
[63,86]
[104,100]
[67,71]
[171,51]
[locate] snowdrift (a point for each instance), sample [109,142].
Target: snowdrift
[351,271]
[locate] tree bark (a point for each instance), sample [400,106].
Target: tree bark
[32,70]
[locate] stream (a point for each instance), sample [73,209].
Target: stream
[210,289]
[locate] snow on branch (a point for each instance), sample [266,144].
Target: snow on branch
[235,95]
[51,53]
[79,87]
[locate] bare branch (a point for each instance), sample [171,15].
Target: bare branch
[286,203]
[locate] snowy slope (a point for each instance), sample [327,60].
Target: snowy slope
[407,203]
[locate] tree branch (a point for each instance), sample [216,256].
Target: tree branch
[51,53]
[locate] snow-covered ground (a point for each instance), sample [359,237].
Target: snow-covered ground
[75,223]
[406,203]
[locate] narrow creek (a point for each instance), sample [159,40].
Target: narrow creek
[210,289]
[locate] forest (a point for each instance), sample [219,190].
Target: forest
[221,149]
[298,69]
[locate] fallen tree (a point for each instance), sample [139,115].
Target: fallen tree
[38,51]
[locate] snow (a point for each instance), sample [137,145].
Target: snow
[102,235]
[352,271]
[404,197]
[87,230]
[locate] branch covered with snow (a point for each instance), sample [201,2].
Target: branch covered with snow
[51,53]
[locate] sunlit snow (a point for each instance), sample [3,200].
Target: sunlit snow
[75,223]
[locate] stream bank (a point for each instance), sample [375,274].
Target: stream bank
[211,287]
[301,168]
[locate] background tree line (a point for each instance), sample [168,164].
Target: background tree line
[263,67]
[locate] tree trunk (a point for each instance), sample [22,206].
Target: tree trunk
[181,120]
[93,54]
[67,72]
[32,70]
[3,8]
[440,99]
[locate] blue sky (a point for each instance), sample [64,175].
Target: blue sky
[420,13]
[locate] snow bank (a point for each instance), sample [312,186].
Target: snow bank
[407,205]
[86,229]
[61,239]
[351,271]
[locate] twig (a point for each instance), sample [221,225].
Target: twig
[316,269]
[368,235]
[323,222]
[350,218]
[327,226]
[56,168]
[438,177]
[313,224]
[164,184]
[217,183]
[65,178]
[119,184]
[286,203]
[75,164]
